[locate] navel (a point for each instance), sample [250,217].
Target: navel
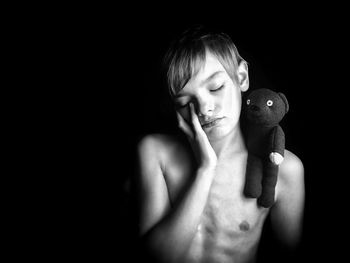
[244,226]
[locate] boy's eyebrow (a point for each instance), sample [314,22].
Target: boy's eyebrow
[211,77]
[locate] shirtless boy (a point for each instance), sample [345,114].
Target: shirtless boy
[192,206]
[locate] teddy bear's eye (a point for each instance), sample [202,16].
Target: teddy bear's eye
[248,102]
[269,103]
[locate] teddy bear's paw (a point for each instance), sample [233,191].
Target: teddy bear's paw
[276,158]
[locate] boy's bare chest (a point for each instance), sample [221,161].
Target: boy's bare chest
[230,222]
[226,206]
[227,209]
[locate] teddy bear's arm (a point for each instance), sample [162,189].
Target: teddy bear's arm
[277,140]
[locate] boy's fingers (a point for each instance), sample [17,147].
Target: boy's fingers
[195,119]
[183,125]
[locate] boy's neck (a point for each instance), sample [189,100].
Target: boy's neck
[231,144]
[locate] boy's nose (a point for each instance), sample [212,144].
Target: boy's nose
[205,117]
[205,111]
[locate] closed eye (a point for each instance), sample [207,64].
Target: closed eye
[219,88]
[179,106]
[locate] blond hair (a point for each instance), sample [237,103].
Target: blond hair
[187,55]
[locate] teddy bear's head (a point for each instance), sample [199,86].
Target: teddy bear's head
[265,107]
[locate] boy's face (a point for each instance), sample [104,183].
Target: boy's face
[216,97]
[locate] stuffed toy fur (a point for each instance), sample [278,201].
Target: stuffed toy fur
[262,111]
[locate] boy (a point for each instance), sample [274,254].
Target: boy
[192,207]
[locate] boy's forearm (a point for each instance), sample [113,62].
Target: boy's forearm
[171,237]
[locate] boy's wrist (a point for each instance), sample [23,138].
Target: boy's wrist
[207,168]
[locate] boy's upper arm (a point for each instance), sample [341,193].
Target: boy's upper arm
[287,213]
[153,193]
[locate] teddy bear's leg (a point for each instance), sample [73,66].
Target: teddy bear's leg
[269,180]
[254,173]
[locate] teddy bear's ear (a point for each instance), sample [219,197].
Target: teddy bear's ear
[284,100]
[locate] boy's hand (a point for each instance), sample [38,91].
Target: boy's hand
[198,139]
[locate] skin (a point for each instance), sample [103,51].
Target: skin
[192,207]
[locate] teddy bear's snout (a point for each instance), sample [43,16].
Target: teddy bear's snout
[254,108]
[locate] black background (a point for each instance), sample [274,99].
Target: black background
[109,74]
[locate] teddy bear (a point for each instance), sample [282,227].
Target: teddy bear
[262,111]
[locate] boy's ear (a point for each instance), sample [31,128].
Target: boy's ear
[243,77]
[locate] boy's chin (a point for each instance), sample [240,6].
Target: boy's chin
[217,132]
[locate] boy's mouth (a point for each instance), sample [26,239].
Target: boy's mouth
[211,123]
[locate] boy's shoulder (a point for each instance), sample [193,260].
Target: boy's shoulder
[158,141]
[291,164]
[160,144]
[291,172]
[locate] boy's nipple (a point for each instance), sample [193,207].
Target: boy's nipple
[244,226]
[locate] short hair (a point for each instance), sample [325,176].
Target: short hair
[186,55]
